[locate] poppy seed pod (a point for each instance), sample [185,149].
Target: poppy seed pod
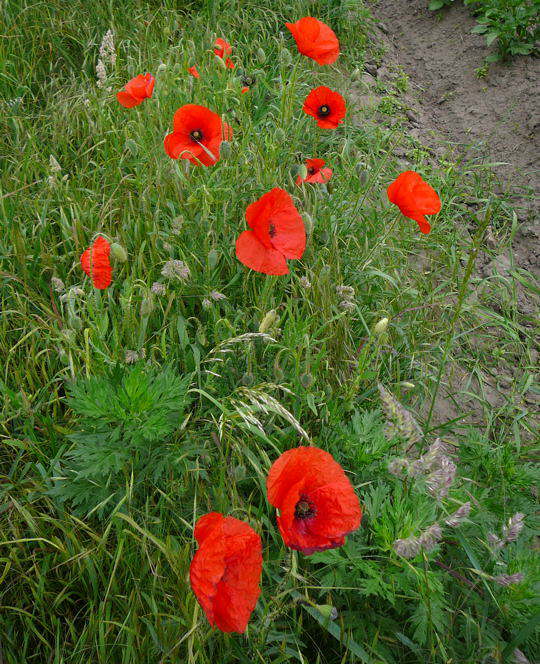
[380,327]
[261,55]
[118,252]
[268,321]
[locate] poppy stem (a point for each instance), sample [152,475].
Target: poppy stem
[477,241]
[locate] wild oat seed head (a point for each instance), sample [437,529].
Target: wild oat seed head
[347,305]
[158,288]
[175,269]
[131,356]
[519,657]
[404,422]
[216,296]
[459,515]
[408,548]
[515,524]
[429,538]
[57,285]
[509,579]
[305,282]
[206,303]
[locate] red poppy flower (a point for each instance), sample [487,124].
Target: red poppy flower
[316,501]
[136,90]
[95,262]
[197,135]
[315,39]
[326,106]
[315,172]
[244,89]
[277,232]
[193,71]
[414,198]
[226,570]
[223,48]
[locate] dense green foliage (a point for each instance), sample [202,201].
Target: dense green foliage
[512,25]
[105,467]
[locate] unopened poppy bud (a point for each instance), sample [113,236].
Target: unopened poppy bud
[161,66]
[380,327]
[75,322]
[306,379]
[225,149]
[286,57]
[407,385]
[301,170]
[118,252]
[308,223]
[147,305]
[213,257]
[268,321]
[248,379]
[327,611]
[239,472]
[261,55]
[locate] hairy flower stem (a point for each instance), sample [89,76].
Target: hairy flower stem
[477,241]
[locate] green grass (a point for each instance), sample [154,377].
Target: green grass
[113,588]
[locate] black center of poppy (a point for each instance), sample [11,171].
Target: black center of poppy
[324,110]
[311,170]
[304,509]
[271,230]
[196,135]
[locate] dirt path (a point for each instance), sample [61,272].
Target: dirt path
[496,117]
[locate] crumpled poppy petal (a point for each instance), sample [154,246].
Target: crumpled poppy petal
[252,253]
[315,39]
[96,264]
[225,571]
[415,198]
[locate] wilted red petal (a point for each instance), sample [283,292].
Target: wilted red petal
[415,198]
[96,264]
[252,253]
[225,571]
[193,71]
[136,90]
[315,39]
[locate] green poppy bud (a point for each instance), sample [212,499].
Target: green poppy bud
[75,322]
[213,257]
[118,252]
[380,327]
[301,170]
[261,55]
[268,321]
[308,223]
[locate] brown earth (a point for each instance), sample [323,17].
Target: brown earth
[490,118]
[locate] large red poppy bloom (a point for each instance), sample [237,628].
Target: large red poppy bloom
[226,570]
[136,90]
[95,262]
[223,48]
[277,233]
[316,501]
[315,39]
[415,198]
[197,135]
[315,172]
[326,106]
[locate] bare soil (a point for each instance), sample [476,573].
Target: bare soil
[490,118]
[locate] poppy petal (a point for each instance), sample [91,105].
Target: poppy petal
[127,100]
[252,253]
